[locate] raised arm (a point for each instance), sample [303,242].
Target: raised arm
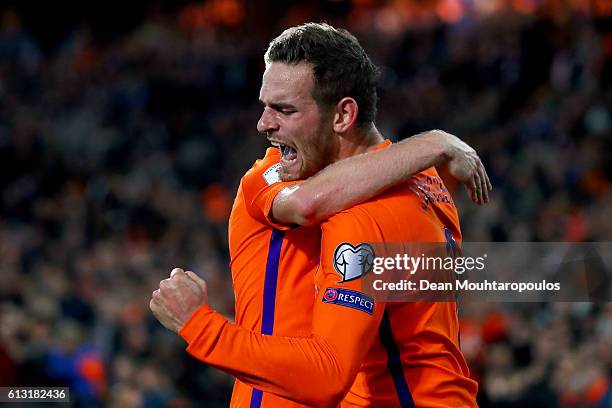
[327,361]
[358,178]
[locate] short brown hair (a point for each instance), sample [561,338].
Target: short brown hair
[340,64]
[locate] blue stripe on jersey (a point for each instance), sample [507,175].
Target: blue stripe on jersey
[394,363]
[269,296]
[256,396]
[453,250]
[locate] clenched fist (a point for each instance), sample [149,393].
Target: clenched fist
[177,298]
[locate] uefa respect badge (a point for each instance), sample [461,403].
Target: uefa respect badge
[349,298]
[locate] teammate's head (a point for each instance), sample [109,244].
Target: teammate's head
[319,82]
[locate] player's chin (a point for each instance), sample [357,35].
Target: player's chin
[290,171]
[288,176]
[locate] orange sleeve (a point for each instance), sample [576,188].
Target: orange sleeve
[318,370]
[260,185]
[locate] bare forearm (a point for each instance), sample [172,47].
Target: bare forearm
[358,178]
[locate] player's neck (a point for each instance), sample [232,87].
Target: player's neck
[359,141]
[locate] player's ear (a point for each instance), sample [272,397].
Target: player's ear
[346,114]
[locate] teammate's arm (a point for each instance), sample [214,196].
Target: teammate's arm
[358,178]
[317,370]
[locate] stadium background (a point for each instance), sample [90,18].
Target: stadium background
[124,131]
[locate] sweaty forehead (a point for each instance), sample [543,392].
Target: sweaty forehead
[287,83]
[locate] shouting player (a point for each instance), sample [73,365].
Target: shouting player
[319,99]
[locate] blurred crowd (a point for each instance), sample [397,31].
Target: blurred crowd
[120,160]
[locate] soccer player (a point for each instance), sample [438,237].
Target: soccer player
[423,364]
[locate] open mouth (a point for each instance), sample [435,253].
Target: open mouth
[288,153]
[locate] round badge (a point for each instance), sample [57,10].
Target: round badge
[330,294]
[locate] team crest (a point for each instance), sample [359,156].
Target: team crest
[352,262]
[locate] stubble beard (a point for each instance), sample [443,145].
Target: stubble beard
[321,152]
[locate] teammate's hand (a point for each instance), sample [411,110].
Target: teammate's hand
[177,298]
[467,168]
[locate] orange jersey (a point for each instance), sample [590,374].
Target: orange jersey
[272,269]
[372,354]
[413,357]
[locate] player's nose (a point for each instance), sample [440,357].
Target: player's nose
[267,121]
